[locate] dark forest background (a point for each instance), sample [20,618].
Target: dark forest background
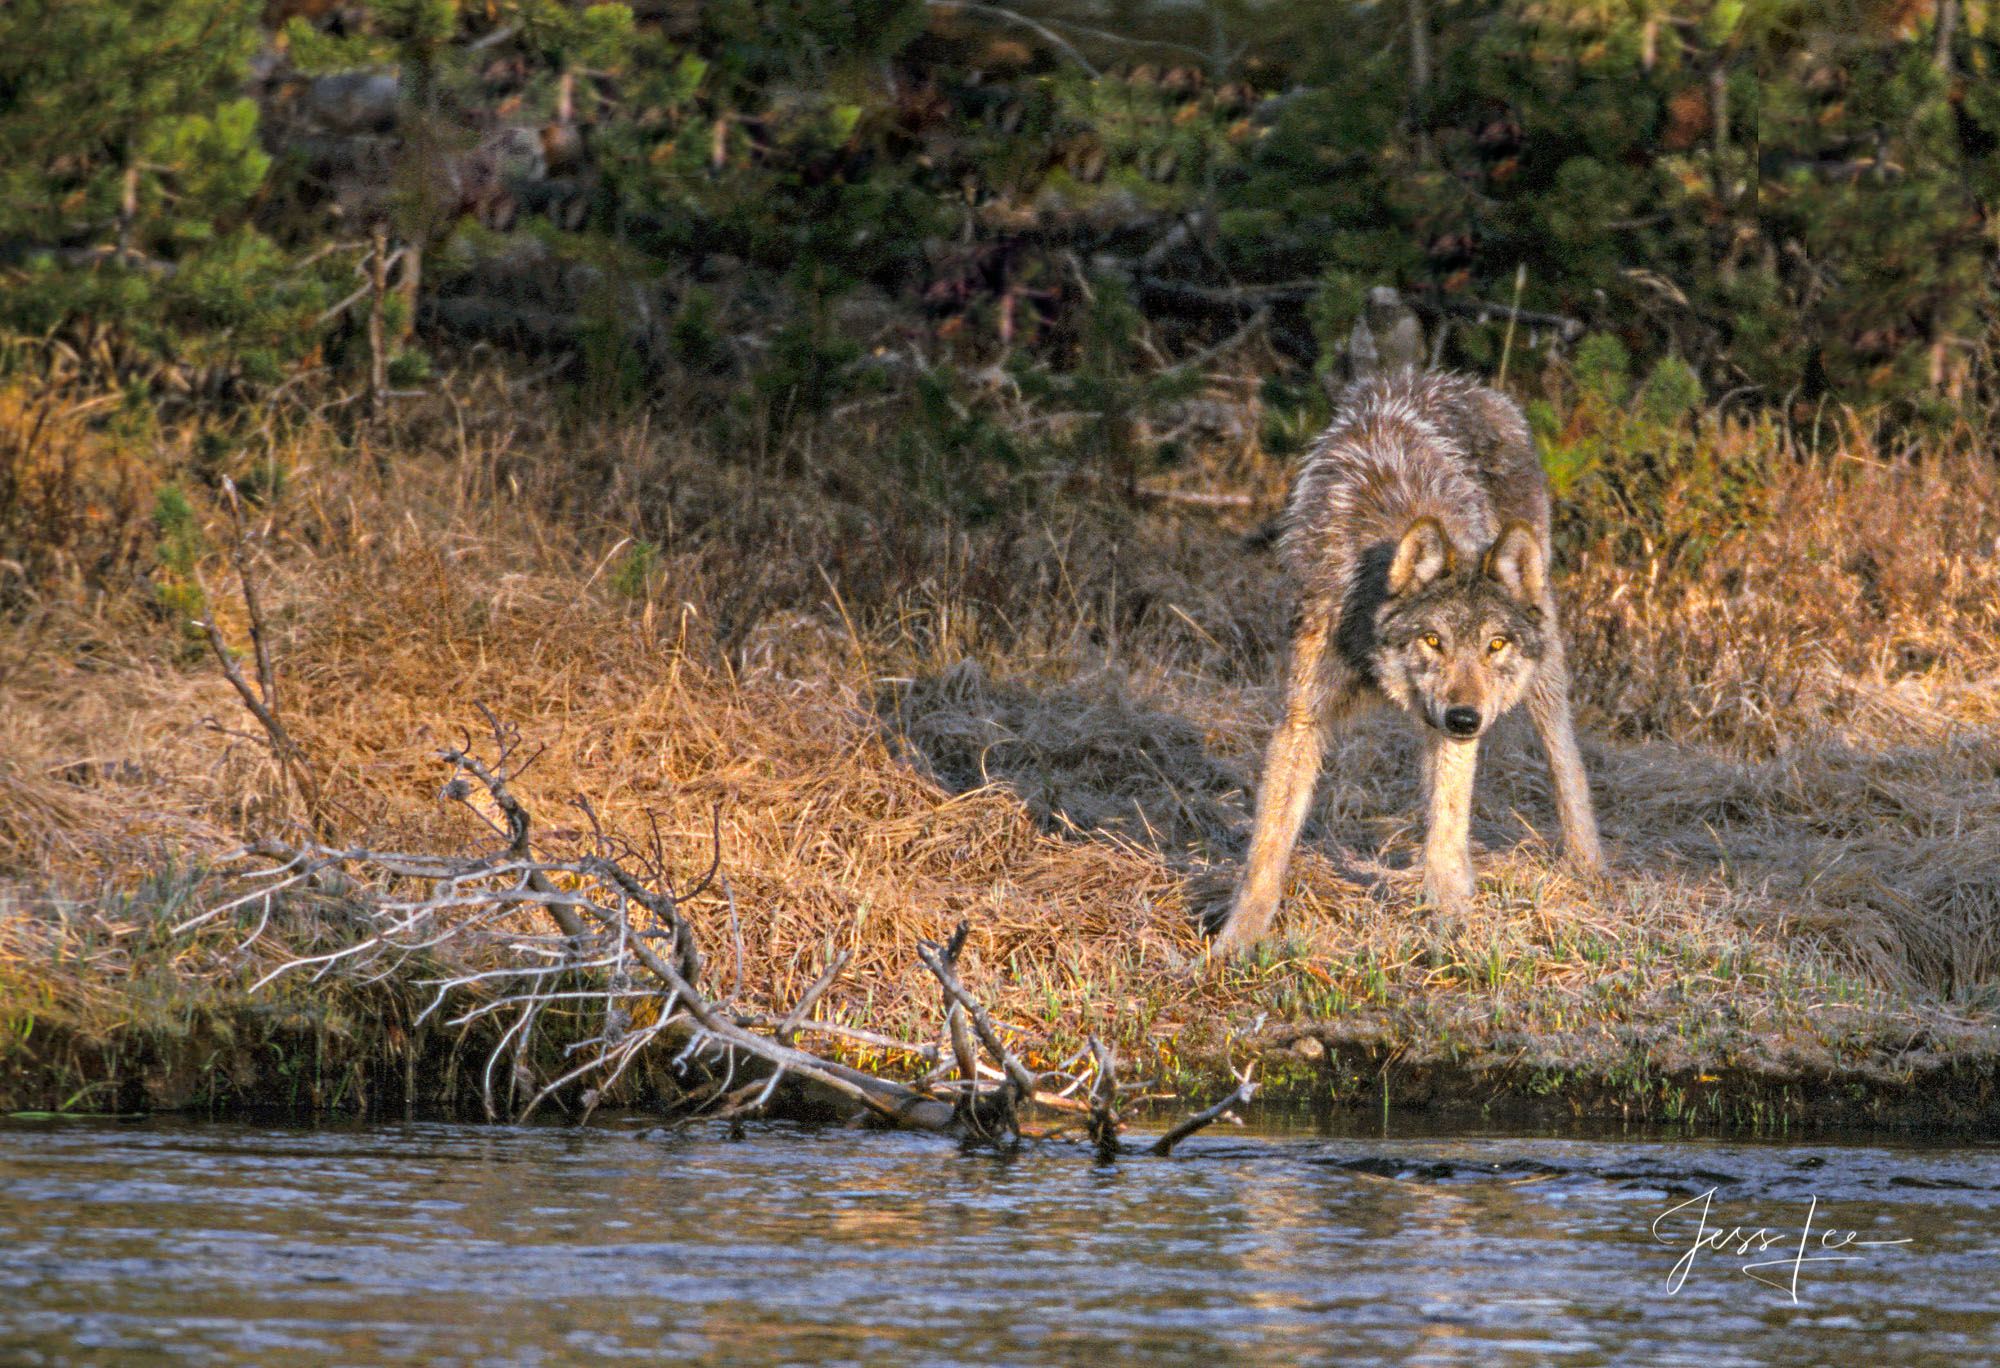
[1791,202]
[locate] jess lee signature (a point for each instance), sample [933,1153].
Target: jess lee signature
[1801,1247]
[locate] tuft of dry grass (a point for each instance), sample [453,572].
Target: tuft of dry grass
[1046,724]
[76,487]
[1856,601]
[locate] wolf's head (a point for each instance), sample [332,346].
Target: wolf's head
[1460,636]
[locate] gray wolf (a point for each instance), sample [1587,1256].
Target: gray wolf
[1417,531]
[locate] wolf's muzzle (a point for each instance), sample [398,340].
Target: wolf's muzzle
[1461,721]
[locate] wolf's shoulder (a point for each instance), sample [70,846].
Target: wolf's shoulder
[1438,427]
[1470,413]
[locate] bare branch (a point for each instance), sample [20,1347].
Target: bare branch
[518,823]
[803,1007]
[735,934]
[963,1052]
[1103,1122]
[1245,1090]
[262,703]
[1198,497]
[939,962]
[1043,31]
[462,912]
[715,845]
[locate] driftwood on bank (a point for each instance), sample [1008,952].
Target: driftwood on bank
[619,943]
[618,950]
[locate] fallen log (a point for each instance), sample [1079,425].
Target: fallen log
[467,905]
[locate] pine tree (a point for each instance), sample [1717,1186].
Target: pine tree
[129,164]
[1790,194]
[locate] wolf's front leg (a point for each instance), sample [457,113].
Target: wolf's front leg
[1291,769]
[1448,771]
[1317,690]
[1548,706]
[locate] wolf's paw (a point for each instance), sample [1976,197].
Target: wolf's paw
[1449,889]
[1589,868]
[1247,924]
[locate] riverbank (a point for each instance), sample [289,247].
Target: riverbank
[877,720]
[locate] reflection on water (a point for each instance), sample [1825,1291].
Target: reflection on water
[446,1244]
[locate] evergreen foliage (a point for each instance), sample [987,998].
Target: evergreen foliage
[129,169]
[1793,201]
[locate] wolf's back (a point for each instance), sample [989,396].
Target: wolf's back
[1491,432]
[1405,446]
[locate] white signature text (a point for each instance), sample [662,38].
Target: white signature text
[1797,1248]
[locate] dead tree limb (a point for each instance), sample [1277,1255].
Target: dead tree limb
[803,1007]
[934,958]
[1103,1122]
[472,898]
[1245,1090]
[377,265]
[963,1052]
[267,680]
[601,956]
[876,1100]
[1260,318]
[991,1115]
[1040,30]
[1198,497]
[262,702]
[619,943]
[495,780]
[1227,300]
[1486,311]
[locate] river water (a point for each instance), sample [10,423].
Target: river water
[170,1242]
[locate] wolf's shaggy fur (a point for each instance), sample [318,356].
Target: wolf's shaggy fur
[1418,533]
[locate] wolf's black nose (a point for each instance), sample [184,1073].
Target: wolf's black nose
[1462,721]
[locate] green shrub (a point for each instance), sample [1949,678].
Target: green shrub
[635,575]
[1671,392]
[129,170]
[1602,370]
[181,540]
[177,591]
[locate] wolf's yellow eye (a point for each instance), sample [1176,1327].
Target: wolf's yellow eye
[1434,641]
[1497,645]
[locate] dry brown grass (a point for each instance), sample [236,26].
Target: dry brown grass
[74,493]
[1794,760]
[1855,601]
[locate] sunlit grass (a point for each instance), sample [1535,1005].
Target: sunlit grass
[1805,878]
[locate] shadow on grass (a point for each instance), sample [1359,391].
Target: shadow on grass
[1886,855]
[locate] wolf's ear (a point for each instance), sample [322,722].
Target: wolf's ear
[1515,563]
[1424,554]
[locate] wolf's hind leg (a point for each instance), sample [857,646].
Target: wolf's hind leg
[1318,691]
[1548,706]
[1448,771]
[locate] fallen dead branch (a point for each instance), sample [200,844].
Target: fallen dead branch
[621,949]
[605,952]
[1199,498]
[985,1114]
[1245,1090]
[1103,1124]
